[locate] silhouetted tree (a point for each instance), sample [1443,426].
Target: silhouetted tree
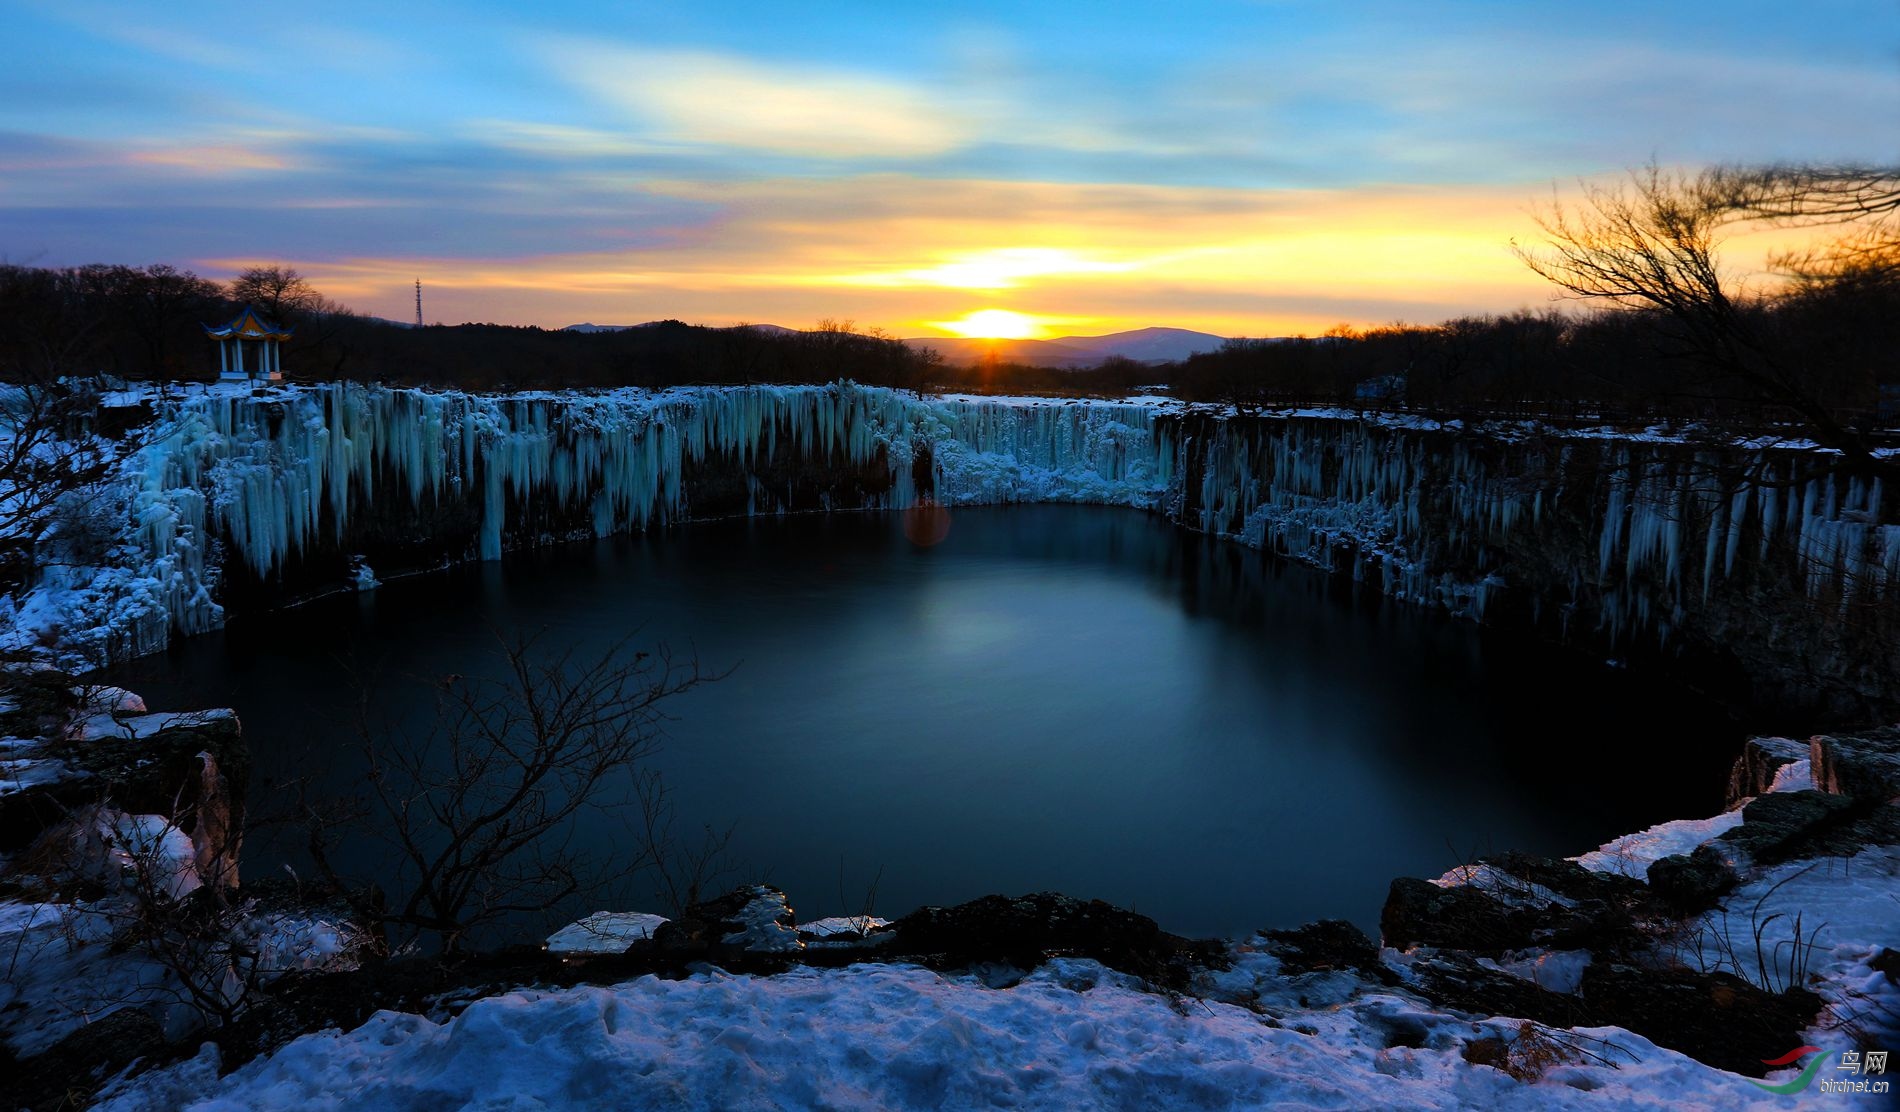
[1650,247]
[279,292]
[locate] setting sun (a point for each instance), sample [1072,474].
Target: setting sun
[993,324]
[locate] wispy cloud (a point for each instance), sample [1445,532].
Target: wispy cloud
[562,141]
[705,98]
[1001,268]
[213,160]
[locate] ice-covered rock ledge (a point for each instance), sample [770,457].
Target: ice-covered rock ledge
[1759,556]
[1512,982]
[66,745]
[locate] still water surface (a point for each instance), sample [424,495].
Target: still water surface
[1055,697]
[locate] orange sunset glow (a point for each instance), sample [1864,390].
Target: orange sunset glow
[992,324]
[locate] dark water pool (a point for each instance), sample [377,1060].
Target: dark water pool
[1054,697]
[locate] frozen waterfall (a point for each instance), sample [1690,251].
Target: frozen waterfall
[1435,516]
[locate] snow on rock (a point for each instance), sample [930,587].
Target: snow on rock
[1072,1035]
[1762,759]
[108,701]
[842,925]
[1633,854]
[845,932]
[1795,776]
[1512,891]
[1551,970]
[765,923]
[138,851]
[604,932]
[20,773]
[68,964]
[284,941]
[64,970]
[97,727]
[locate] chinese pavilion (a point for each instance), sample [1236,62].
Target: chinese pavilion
[248,329]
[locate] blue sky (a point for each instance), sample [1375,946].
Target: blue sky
[1245,167]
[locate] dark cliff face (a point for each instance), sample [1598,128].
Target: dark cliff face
[1765,576]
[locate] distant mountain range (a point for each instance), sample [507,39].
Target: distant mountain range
[1143,345]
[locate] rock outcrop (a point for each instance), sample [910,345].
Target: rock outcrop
[1467,933]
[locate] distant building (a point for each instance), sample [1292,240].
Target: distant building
[249,330]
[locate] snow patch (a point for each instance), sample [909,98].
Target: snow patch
[1633,854]
[1512,891]
[1795,776]
[604,932]
[1073,1035]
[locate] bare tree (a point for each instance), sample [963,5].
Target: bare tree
[279,291]
[1650,246]
[478,809]
[1861,202]
[1808,192]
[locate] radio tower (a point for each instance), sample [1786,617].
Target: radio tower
[418,303]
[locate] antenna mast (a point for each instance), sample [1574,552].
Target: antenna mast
[418,303]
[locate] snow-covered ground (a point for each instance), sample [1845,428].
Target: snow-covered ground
[1072,1035]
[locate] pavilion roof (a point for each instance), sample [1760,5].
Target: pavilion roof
[248,325]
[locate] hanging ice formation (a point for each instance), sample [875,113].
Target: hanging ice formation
[1427,516]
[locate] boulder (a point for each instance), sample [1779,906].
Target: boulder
[1775,827]
[192,768]
[1326,946]
[1420,913]
[1690,883]
[1864,767]
[26,813]
[1512,902]
[1024,930]
[1716,1018]
[1761,759]
[1785,825]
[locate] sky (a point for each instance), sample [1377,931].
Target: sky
[1256,168]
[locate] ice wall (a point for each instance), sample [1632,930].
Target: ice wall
[1768,571]
[1623,539]
[257,478]
[1443,516]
